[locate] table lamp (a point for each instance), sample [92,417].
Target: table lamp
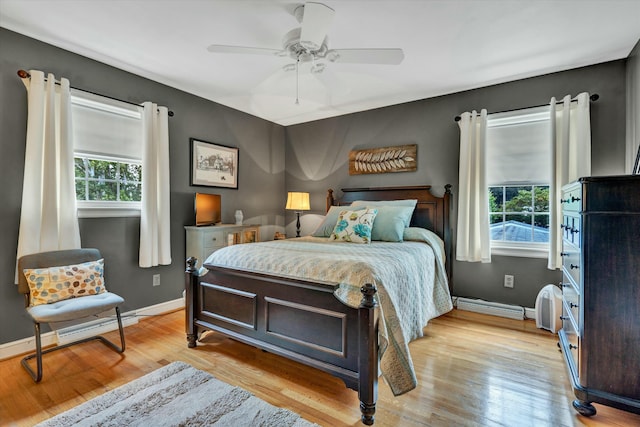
[297,201]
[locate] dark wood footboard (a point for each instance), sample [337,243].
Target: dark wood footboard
[296,319]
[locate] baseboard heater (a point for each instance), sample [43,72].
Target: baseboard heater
[493,308]
[94,327]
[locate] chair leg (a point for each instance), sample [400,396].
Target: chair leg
[38,355]
[37,376]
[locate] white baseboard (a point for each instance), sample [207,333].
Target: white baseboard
[530,313]
[95,327]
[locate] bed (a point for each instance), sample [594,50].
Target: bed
[349,330]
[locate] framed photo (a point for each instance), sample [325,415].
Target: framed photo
[213,165]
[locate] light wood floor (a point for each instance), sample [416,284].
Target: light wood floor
[473,370]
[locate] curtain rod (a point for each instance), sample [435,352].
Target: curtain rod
[593,98]
[25,75]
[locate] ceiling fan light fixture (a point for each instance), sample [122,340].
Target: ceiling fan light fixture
[289,67]
[318,67]
[333,56]
[309,45]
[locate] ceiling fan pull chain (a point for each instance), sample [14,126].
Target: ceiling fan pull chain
[297,66]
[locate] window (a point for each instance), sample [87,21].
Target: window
[518,171]
[107,180]
[108,153]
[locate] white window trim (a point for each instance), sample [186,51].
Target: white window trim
[107,209]
[101,209]
[525,250]
[518,249]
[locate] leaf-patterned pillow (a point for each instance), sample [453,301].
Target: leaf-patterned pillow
[53,284]
[354,226]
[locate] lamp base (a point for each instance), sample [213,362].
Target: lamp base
[298,224]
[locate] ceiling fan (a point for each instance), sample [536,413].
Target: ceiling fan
[309,43]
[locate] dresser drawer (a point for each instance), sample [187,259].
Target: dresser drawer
[212,239]
[572,199]
[571,229]
[571,332]
[571,262]
[571,298]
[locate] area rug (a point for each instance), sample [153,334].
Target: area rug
[177,395]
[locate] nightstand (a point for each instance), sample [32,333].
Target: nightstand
[203,241]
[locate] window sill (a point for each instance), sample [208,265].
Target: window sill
[108,212]
[520,251]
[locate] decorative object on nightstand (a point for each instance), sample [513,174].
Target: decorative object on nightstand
[298,201]
[239,216]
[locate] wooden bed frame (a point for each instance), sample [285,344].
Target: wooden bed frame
[302,320]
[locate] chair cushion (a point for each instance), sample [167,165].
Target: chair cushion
[74,308]
[56,283]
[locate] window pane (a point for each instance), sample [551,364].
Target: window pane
[518,199]
[130,192]
[496,229]
[517,228]
[495,199]
[130,172]
[81,194]
[103,190]
[103,169]
[541,199]
[79,167]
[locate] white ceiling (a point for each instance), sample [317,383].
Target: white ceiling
[449,46]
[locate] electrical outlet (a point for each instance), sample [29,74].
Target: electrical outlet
[508,281]
[156,280]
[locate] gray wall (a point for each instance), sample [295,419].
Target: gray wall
[317,154]
[261,177]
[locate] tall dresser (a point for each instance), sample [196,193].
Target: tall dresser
[600,335]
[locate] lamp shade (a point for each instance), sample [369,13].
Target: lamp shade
[298,201]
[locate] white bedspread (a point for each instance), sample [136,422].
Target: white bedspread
[410,277]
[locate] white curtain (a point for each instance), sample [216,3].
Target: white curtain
[155,224]
[570,160]
[473,243]
[48,219]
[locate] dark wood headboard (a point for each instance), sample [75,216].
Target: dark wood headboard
[431,212]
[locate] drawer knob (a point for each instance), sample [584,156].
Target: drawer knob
[564,200]
[574,230]
[575,199]
[563,254]
[572,305]
[572,266]
[572,347]
[564,317]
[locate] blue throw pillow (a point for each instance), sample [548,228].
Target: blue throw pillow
[390,222]
[326,226]
[405,202]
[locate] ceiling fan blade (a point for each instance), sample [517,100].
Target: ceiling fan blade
[220,48]
[316,20]
[366,56]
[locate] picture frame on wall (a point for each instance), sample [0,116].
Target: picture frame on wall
[213,165]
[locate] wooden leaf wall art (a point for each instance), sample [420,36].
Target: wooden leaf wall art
[401,158]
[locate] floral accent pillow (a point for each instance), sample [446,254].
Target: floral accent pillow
[53,284]
[354,226]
